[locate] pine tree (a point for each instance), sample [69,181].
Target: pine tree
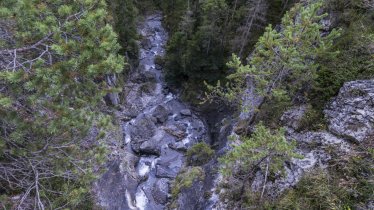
[52,86]
[264,150]
[288,55]
[255,16]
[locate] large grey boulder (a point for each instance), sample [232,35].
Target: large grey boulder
[351,113]
[160,191]
[161,114]
[142,131]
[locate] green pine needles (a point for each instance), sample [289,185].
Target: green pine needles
[283,61]
[52,83]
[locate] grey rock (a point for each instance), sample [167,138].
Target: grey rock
[142,131]
[178,146]
[164,171]
[160,191]
[176,131]
[161,114]
[351,113]
[186,112]
[146,44]
[292,117]
[150,148]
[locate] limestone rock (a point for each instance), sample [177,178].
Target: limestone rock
[186,112]
[351,113]
[161,114]
[160,191]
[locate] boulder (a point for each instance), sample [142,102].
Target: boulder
[186,112]
[160,191]
[175,131]
[142,130]
[146,44]
[164,171]
[150,148]
[178,146]
[160,113]
[351,113]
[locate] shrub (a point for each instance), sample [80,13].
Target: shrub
[186,178]
[199,154]
[348,183]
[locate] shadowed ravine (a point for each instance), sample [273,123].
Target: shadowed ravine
[157,130]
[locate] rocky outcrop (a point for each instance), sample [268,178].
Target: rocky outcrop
[350,118]
[349,121]
[351,114]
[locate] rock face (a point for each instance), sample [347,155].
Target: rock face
[351,114]
[350,118]
[160,191]
[154,133]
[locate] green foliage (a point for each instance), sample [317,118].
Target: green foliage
[204,33]
[282,62]
[264,151]
[263,148]
[348,183]
[313,119]
[124,15]
[199,154]
[186,178]
[195,51]
[356,59]
[52,97]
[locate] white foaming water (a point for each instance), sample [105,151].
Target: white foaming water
[127,138]
[215,197]
[141,199]
[169,97]
[143,168]
[189,134]
[146,164]
[127,131]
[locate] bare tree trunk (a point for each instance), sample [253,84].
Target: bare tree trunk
[249,24]
[266,177]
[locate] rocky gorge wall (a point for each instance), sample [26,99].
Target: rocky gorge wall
[350,118]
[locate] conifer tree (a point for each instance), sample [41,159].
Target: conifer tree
[288,55]
[51,89]
[264,150]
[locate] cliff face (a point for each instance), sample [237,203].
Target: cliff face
[351,114]
[350,118]
[350,121]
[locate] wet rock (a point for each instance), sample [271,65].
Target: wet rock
[178,146]
[150,148]
[142,130]
[175,131]
[164,171]
[186,112]
[351,113]
[144,76]
[161,114]
[146,44]
[119,179]
[158,67]
[160,191]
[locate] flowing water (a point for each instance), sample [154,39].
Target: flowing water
[157,131]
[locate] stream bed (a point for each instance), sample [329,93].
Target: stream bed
[157,131]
